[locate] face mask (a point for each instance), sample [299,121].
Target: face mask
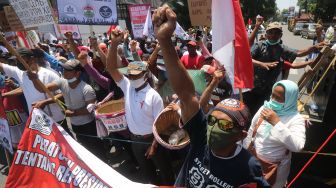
[71,80]
[272,43]
[274,105]
[218,138]
[179,44]
[137,83]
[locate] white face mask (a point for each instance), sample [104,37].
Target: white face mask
[138,83]
[71,80]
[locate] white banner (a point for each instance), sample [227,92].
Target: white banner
[5,139]
[138,15]
[33,13]
[88,12]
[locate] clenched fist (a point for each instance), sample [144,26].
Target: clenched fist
[164,20]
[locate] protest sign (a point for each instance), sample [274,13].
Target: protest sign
[89,12]
[200,12]
[65,28]
[49,157]
[13,20]
[3,22]
[138,15]
[33,13]
[5,139]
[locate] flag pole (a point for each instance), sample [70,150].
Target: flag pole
[22,61]
[241,95]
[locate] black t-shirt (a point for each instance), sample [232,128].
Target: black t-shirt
[202,169]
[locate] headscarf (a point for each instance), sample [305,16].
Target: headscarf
[291,97]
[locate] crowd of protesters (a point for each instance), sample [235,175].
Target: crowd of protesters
[230,140]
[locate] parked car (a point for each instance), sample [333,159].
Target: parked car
[298,28]
[309,31]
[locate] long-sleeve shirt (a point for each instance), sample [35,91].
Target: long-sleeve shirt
[103,81]
[54,63]
[273,142]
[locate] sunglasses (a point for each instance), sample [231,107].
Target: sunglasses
[222,124]
[273,32]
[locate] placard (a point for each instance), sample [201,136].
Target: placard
[138,15]
[33,13]
[89,12]
[200,12]
[13,20]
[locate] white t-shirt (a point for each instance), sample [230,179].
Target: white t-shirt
[75,98]
[31,94]
[141,107]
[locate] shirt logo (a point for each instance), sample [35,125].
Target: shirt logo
[141,104]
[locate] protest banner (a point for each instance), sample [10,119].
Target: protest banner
[89,12]
[33,13]
[5,138]
[138,15]
[13,20]
[200,12]
[47,156]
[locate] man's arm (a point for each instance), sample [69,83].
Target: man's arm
[304,52]
[16,92]
[112,57]
[164,20]
[42,103]
[217,76]
[255,30]
[299,65]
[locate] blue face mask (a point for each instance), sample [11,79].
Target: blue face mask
[272,43]
[274,105]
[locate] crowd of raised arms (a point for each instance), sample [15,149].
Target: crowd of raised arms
[231,141]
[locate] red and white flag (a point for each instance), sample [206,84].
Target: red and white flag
[230,43]
[49,157]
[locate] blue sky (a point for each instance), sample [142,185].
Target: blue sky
[286,3]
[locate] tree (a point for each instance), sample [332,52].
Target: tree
[322,9]
[265,8]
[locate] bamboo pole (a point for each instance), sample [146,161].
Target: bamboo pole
[22,61]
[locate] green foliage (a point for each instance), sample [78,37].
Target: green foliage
[265,8]
[322,9]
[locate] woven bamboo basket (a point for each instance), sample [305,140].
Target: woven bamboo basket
[165,124]
[112,115]
[113,106]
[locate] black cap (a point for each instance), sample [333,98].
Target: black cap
[25,52]
[72,65]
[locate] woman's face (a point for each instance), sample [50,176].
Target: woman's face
[278,94]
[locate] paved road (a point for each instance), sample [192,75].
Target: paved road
[288,38]
[296,42]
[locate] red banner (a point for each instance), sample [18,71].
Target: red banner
[48,157]
[138,15]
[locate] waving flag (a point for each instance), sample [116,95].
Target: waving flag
[230,44]
[148,28]
[179,31]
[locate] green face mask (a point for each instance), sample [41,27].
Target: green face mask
[272,43]
[274,105]
[220,133]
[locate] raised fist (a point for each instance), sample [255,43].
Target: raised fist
[68,35]
[117,36]
[164,20]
